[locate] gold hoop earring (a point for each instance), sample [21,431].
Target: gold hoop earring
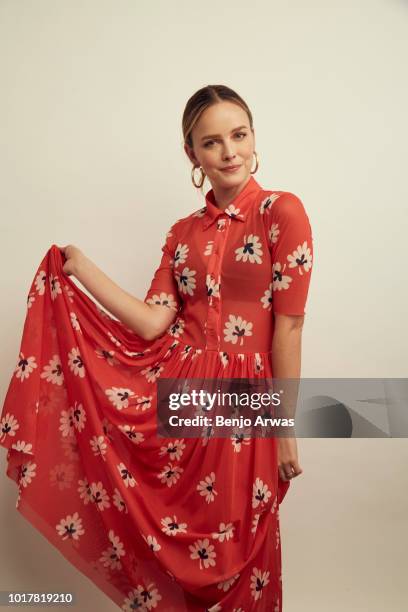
[257,164]
[202,176]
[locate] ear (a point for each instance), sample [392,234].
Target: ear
[190,153]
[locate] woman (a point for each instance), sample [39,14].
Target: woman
[173,524]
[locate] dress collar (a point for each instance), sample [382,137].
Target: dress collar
[237,209]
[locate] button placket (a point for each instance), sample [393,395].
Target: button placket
[213,282]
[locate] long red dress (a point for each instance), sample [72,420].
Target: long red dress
[160,523]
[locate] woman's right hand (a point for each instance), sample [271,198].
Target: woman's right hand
[73,257]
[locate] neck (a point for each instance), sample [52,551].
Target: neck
[224,196]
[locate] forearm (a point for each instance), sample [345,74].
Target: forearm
[286,353]
[131,311]
[286,364]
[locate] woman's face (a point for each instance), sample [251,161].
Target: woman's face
[222,137]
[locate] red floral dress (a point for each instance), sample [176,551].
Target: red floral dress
[160,523]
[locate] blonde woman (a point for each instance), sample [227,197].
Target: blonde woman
[161,523]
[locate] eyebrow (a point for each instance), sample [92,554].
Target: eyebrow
[217,135]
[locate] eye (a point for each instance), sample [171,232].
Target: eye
[208,142]
[241,134]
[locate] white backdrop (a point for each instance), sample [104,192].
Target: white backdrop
[91,154]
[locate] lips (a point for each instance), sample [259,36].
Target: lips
[231,167]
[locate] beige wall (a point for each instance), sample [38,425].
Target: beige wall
[91,154]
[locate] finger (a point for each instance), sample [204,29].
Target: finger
[297,470]
[289,471]
[282,473]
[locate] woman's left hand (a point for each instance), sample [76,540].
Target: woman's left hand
[288,463]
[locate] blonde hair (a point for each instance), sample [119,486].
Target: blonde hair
[204,98]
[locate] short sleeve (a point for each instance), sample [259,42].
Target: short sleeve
[291,244]
[163,289]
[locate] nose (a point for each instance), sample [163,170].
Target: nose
[228,153]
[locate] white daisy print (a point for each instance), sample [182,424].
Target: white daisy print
[255,522]
[204,551]
[186,281]
[74,322]
[126,476]
[25,367]
[260,493]
[301,258]
[266,204]
[231,211]
[144,402]
[53,371]
[78,416]
[173,450]
[27,473]
[273,233]
[75,362]
[206,488]
[55,287]
[23,447]
[224,358]
[67,423]
[152,543]
[213,288]
[236,328]
[153,373]
[99,446]
[142,598]
[85,492]
[40,281]
[239,440]
[208,248]
[221,225]
[99,495]
[109,356]
[266,299]
[177,328]
[172,527]
[225,532]
[170,474]
[8,426]
[280,280]
[258,365]
[163,299]
[251,251]
[119,502]
[259,580]
[130,431]
[119,396]
[30,300]
[70,527]
[69,293]
[180,254]
[111,557]
[225,585]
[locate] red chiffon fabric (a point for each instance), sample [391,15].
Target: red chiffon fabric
[160,523]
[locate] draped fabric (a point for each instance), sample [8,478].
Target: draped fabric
[158,523]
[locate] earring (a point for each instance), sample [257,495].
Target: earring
[202,176]
[257,164]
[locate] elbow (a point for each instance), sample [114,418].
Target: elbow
[152,333]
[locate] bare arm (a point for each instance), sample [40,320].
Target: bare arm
[286,360]
[147,320]
[286,346]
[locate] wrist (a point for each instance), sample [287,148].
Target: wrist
[82,264]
